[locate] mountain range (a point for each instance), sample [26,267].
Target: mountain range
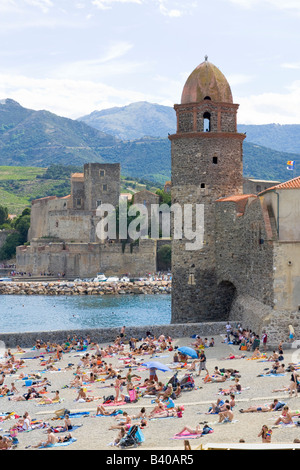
[135,135]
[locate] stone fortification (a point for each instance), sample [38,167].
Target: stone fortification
[64,236]
[107,335]
[84,288]
[85,260]
[248,264]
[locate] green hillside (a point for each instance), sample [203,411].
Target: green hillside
[134,121]
[40,139]
[20,185]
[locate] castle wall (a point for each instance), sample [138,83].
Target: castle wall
[77,193]
[101,183]
[136,260]
[39,217]
[72,225]
[87,259]
[244,253]
[287,276]
[204,167]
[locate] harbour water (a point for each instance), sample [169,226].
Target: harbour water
[23,313]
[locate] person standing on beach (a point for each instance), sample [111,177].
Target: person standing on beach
[264,340]
[228,331]
[293,383]
[122,332]
[202,363]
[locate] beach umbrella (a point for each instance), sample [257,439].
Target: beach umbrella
[188,351]
[156,365]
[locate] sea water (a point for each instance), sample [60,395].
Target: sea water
[25,313]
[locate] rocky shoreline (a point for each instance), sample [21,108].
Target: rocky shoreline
[84,288]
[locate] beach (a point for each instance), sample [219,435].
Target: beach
[94,433]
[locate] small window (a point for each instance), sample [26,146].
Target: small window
[78,202]
[206,122]
[258,188]
[104,187]
[102,173]
[202,185]
[215,160]
[98,203]
[207,98]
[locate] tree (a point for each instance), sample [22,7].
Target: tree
[3,215]
[164,198]
[8,249]
[21,225]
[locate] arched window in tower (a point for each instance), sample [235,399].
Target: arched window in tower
[206,122]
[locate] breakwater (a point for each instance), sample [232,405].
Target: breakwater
[84,288]
[106,335]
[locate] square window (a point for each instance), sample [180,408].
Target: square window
[102,173]
[104,187]
[215,160]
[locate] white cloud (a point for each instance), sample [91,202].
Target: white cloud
[108,4]
[65,97]
[266,108]
[44,5]
[291,65]
[175,8]
[279,4]
[239,79]
[110,64]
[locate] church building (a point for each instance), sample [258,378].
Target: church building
[248,265]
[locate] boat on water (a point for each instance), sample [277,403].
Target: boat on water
[100,278]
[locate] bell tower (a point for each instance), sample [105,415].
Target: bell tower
[207,154]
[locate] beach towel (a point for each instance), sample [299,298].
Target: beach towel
[119,403]
[162,417]
[118,412]
[59,444]
[62,428]
[187,435]
[271,375]
[42,403]
[77,415]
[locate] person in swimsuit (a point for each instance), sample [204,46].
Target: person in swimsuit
[293,382]
[286,417]
[265,434]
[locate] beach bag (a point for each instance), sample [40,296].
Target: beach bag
[62,412]
[108,399]
[132,395]
[244,348]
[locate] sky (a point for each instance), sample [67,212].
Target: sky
[72,57]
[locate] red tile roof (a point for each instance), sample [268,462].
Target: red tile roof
[290,184]
[240,201]
[236,198]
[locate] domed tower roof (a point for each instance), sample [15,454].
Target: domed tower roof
[206,82]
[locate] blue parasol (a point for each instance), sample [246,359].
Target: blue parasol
[188,351]
[156,365]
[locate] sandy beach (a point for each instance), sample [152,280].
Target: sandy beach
[93,432]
